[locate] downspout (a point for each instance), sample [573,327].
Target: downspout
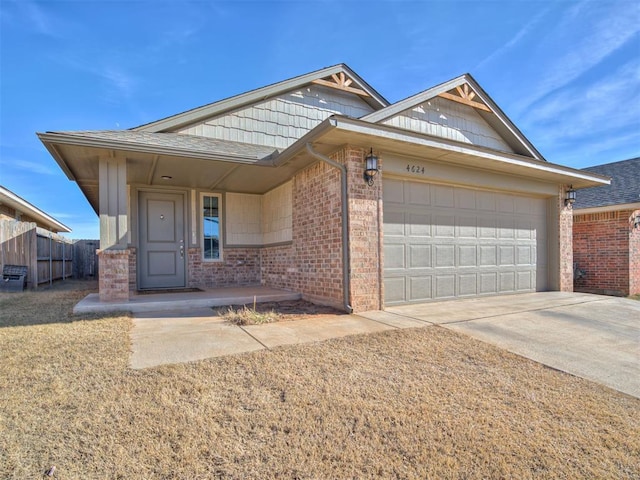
[345,223]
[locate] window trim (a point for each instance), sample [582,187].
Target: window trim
[220,226]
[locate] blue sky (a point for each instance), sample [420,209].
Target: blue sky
[567,73]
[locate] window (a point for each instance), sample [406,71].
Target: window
[211,230]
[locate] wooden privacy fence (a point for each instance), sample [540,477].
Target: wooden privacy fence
[47,255]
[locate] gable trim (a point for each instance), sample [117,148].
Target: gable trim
[372,97]
[493,115]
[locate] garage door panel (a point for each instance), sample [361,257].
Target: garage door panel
[420,256]
[419,225]
[467,256]
[445,286]
[420,288]
[507,255]
[395,290]
[419,194]
[488,255]
[394,224]
[467,284]
[524,280]
[444,226]
[444,256]
[507,281]
[445,242]
[443,196]
[466,199]
[488,283]
[394,256]
[467,227]
[393,192]
[524,255]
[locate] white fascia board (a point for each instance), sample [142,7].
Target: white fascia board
[69,139]
[20,204]
[406,136]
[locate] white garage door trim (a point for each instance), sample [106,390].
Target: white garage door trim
[443,242]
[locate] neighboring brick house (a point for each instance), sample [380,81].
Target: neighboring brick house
[269,187]
[606,246]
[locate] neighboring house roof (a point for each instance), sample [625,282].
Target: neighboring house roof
[464,89]
[624,188]
[7,197]
[337,76]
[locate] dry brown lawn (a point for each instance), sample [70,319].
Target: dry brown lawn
[421,403]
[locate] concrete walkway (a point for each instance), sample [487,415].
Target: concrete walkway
[591,336]
[167,337]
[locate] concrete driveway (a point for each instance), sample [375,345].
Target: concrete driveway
[591,336]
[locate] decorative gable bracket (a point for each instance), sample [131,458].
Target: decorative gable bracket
[340,81]
[465,95]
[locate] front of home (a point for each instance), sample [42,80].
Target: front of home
[269,187]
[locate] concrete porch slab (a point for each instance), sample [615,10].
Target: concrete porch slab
[159,302]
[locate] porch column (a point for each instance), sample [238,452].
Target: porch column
[113,254]
[565,247]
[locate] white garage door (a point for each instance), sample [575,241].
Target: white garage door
[446,242]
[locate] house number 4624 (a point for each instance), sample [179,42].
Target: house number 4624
[415,169]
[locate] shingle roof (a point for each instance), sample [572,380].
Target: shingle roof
[624,188]
[178,141]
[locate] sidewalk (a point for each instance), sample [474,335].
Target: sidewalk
[160,338]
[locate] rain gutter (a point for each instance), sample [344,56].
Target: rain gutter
[345,224]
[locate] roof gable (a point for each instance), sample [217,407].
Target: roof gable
[339,77]
[20,205]
[624,188]
[464,95]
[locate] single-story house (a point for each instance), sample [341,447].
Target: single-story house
[27,236]
[606,231]
[15,208]
[269,187]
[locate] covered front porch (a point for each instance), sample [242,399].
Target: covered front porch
[158,302]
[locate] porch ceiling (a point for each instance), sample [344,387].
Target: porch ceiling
[240,174]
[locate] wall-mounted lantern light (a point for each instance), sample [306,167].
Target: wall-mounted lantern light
[571,196]
[636,221]
[370,167]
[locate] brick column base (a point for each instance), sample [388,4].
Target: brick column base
[114,275]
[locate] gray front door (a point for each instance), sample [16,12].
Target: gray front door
[161,259]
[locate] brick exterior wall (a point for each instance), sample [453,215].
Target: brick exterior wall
[278,268]
[133,270]
[634,257]
[240,266]
[565,234]
[316,268]
[608,251]
[312,264]
[365,232]
[114,275]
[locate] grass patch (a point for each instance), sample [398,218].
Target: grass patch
[423,403]
[249,316]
